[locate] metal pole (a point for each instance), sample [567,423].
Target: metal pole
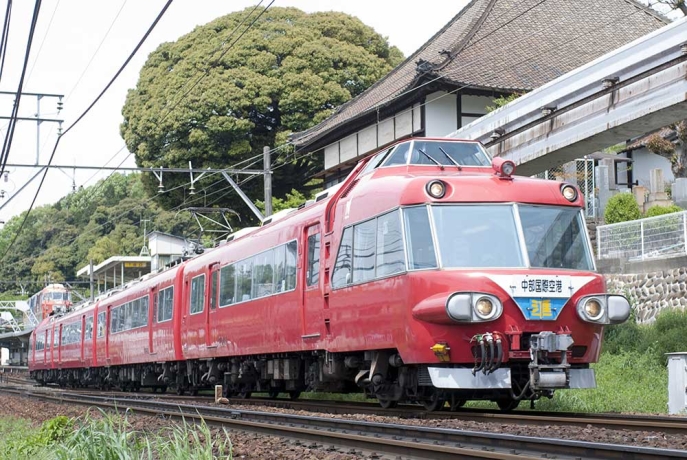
[90,270]
[38,128]
[268,180]
[243,196]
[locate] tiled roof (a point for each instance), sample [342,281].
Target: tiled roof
[505,45]
[665,133]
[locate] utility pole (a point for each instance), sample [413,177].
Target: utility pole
[268,180]
[144,249]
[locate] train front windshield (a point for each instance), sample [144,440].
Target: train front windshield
[497,236]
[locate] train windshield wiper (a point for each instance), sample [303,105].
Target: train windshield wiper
[432,159]
[460,168]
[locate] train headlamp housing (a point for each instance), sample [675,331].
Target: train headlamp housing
[569,192]
[504,168]
[603,309]
[473,307]
[436,188]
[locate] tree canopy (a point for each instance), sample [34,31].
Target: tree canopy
[96,223]
[214,99]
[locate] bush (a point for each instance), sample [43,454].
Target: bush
[666,335]
[661,210]
[621,208]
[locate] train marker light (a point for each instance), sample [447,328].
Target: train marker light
[593,309]
[569,192]
[436,189]
[504,168]
[441,351]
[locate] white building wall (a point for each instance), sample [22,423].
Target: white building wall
[441,114]
[644,162]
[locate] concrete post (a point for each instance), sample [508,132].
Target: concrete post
[268,180]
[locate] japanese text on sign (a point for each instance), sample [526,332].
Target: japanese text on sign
[541,286]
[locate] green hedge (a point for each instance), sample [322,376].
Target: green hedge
[661,210]
[621,208]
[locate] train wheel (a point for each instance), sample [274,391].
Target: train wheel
[181,391]
[163,389]
[294,394]
[194,392]
[273,393]
[507,404]
[387,403]
[456,403]
[244,394]
[154,389]
[436,402]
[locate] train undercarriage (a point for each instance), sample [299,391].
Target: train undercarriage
[379,374]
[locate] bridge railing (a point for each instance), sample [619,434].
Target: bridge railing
[650,238]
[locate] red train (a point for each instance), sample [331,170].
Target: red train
[430,274]
[54,298]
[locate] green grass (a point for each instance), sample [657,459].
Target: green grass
[108,437]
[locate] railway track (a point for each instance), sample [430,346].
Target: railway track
[382,438]
[662,424]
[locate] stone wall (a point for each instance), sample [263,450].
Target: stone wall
[651,292]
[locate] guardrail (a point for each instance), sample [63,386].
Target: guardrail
[650,238]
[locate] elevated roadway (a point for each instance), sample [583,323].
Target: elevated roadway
[623,94]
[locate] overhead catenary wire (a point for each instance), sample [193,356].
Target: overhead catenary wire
[40,47]
[4,39]
[85,112]
[7,144]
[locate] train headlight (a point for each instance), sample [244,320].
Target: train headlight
[569,192]
[484,308]
[593,309]
[436,189]
[604,309]
[473,307]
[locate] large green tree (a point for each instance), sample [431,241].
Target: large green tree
[288,72]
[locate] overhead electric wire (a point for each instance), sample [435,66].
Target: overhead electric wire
[216,61]
[90,61]
[40,48]
[4,39]
[7,144]
[85,112]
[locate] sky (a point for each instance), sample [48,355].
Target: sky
[80,44]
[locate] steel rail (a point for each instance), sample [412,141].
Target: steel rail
[404,440]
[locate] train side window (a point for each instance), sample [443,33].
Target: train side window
[55,338]
[197,294]
[165,304]
[390,254]
[244,280]
[364,235]
[421,253]
[342,270]
[88,333]
[227,285]
[143,311]
[291,253]
[101,324]
[213,290]
[280,269]
[313,273]
[375,162]
[263,277]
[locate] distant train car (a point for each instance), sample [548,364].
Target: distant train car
[50,299]
[431,274]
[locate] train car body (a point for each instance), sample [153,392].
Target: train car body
[430,274]
[49,300]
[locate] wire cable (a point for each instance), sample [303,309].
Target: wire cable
[7,144]
[85,112]
[5,36]
[40,48]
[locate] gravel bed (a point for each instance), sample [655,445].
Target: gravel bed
[245,445]
[248,445]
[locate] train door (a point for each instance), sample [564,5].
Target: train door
[100,337]
[152,319]
[195,323]
[83,337]
[46,346]
[58,344]
[213,299]
[311,314]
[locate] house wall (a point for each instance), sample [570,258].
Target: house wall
[644,162]
[441,114]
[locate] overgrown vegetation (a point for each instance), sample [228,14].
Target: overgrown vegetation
[661,210]
[109,437]
[621,208]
